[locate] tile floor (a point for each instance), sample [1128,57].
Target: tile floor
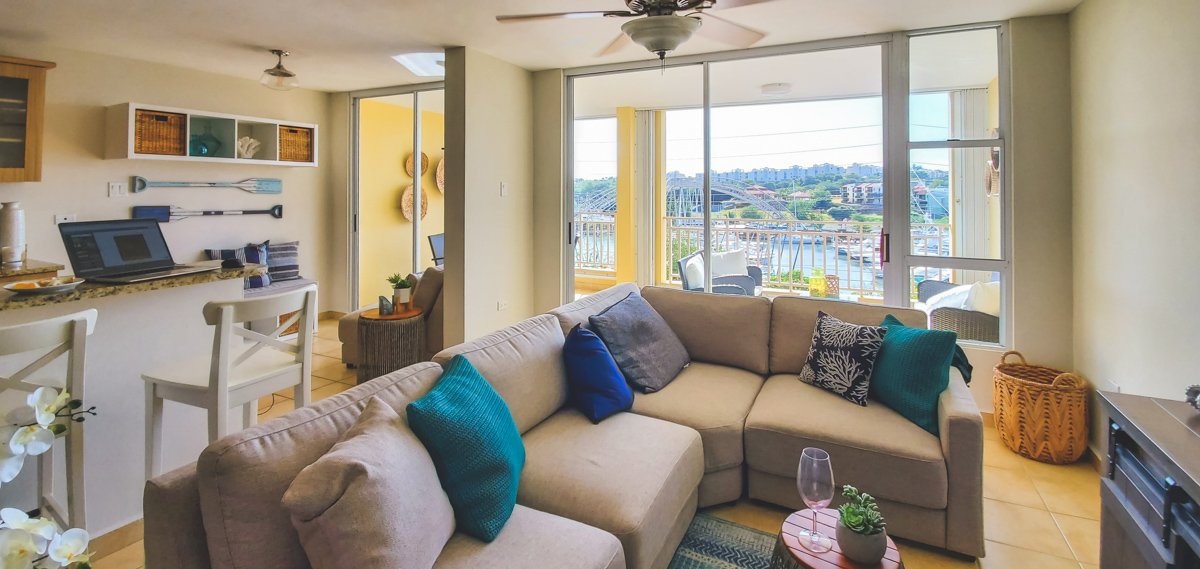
[1035,515]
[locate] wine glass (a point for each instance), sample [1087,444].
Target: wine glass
[815,482]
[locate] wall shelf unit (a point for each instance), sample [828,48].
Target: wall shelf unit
[154,132]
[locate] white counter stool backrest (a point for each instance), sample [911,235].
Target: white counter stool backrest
[63,336]
[244,365]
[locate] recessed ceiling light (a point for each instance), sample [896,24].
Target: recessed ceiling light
[776,89]
[423,64]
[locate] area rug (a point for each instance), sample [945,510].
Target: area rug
[714,543]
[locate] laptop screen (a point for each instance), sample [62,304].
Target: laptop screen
[111,248]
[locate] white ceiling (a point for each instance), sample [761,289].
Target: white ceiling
[348,46]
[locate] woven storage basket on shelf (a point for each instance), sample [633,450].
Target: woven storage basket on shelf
[157,132]
[295,144]
[1041,412]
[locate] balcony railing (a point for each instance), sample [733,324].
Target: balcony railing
[787,251]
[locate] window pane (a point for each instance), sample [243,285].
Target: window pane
[789,135]
[966,302]
[955,203]
[954,88]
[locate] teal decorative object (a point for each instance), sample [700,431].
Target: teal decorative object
[386,308]
[912,371]
[469,431]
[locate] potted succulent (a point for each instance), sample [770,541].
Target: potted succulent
[860,529]
[401,289]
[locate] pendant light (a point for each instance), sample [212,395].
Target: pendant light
[661,34]
[278,77]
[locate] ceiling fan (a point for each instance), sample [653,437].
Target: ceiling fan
[661,26]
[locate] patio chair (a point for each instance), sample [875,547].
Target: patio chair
[748,284]
[968,324]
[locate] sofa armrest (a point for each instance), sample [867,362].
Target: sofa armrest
[755,273]
[174,527]
[743,282]
[960,428]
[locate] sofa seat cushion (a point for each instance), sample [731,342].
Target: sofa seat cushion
[873,448]
[535,539]
[714,400]
[630,475]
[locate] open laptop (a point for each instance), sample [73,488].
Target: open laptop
[122,251]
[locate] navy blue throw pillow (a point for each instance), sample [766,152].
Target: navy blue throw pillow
[595,383]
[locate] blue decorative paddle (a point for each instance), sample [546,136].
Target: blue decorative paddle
[252,185]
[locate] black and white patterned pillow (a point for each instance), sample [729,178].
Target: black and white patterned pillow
[842,357]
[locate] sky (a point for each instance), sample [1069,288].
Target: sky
[838,131]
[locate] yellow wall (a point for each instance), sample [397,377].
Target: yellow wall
[385,243]
[1136,127]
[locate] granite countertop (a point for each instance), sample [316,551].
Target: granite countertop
[13,301]
[29,267]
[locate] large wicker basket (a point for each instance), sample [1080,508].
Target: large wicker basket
[1041,412]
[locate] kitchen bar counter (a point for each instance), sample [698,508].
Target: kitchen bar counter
[13,301]
[30,269]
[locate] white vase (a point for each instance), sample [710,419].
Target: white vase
[401,296]
[12,233]
[865,549]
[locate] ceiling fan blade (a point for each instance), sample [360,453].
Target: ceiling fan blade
[619,43]
[727,32]
[738,3]
[560,16]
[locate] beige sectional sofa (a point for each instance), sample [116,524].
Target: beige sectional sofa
[620,493]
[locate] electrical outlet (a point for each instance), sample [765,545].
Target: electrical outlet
[501,305]
[64,218]
[503,189]
[118,189]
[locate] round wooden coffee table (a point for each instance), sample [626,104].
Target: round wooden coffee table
[789,554]
[389,342]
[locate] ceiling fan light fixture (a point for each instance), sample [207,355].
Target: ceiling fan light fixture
[661,34]
[278,77]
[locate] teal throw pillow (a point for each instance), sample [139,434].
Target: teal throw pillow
[912,371]
[476,448]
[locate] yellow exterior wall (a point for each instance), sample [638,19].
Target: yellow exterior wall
[385,246]
[626,229]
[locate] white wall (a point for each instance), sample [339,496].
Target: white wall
[1136,135]
[75,173]
[549,237]
[489,237]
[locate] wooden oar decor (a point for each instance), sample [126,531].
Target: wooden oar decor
[252,185]
[168,213]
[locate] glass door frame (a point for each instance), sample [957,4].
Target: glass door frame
[356,98]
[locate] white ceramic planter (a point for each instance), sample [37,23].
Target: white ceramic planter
[865,549]
[401,296]
[12,233]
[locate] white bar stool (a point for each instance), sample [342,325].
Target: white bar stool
[64,335]
[237,373]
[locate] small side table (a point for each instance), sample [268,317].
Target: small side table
[789,554]
[390,342]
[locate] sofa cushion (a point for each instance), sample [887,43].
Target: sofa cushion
[630,476]
[535,539]
[597,388]
[360,507]
[873,448]
[842,357]
[912,371]
[712,399]
[475,446]
[569,315]
[524,364]
[243,476]
[427,288]
[793,319]
[722,329]
[647,351]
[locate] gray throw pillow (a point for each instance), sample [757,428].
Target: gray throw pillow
[645,348]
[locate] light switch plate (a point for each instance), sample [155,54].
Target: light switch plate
[503,189]
[501,305]
[118,189]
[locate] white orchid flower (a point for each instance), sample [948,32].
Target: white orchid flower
[10,465]
[32,440]
[70,547]
[42,529]
[46,401]
[17,549]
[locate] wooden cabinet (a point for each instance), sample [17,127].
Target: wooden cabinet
[22,112]
[153,132]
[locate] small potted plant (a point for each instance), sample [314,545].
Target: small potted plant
[860,529]
[401,290]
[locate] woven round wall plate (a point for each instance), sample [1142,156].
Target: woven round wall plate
[408,164]
[441,176]
[406,203]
